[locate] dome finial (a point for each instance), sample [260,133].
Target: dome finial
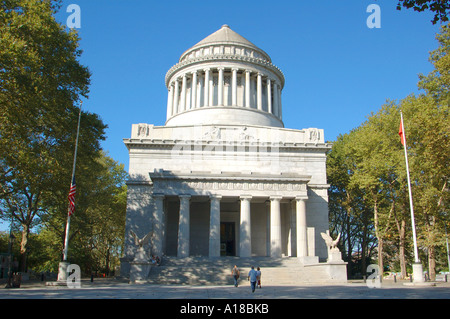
[226,26]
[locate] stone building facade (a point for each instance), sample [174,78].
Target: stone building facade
[223,177]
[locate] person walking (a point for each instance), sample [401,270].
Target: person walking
[252,278]
[258,277]
[235,273]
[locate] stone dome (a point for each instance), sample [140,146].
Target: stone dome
[224,79]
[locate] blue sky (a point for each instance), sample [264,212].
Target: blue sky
[337,69]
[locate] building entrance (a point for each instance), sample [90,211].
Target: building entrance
[227,239]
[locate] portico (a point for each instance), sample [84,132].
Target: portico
[265,225]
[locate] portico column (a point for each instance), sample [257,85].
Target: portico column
[275,227]
[245,241]
[269,96]
[206,96]
[214,226]
[220,88]
[183,226]
[194,90]
[176,97]
[302,246]
[247,88]
[259,91]
[158,222]
[234,87]
[183,94]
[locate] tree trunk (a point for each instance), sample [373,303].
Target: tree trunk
[432,262]
[349,246]
[401,250]
[379,237]
[23,247]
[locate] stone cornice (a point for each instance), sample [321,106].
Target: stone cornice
[224,57]
[168,143]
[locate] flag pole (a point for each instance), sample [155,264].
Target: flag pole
[66,240]
[417,267]
[62,272]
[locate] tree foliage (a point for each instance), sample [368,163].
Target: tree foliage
[440,8]
[367,173]
[41,83]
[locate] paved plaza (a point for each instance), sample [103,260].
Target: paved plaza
[115,289]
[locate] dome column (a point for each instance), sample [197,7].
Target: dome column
[279,103]
[275,99]
[220,88]
[234,87]
[170,101]
[259,92]
[183,94]
[206,96]
[247,88]
[269,96]
[176,97]
[194,90]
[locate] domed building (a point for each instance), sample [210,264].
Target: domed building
[223,177]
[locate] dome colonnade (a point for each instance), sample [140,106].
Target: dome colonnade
[228,72]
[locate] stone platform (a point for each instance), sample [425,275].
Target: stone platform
[217,271]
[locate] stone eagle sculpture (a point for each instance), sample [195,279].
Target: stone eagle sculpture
[141,242]
[331,244]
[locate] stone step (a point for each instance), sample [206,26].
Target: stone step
[205,271]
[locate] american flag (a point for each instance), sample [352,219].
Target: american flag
[72,191]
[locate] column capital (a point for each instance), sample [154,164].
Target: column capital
[275,197]
[222,68]
[245,197]
[214,196]
[234,69]
[184,196]
[301,197]
[207,69]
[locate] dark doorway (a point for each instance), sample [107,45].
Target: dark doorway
[227,239]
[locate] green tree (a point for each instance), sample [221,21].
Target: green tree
[372,161]
[97,226]
[41,82]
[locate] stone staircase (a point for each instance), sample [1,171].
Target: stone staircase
[217,271]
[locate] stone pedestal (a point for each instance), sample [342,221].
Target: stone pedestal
[139,271]
[334,256]
[418,273]
[62,271]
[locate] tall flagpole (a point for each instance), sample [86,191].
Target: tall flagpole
[62,274]
[66,241]
[417,267]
